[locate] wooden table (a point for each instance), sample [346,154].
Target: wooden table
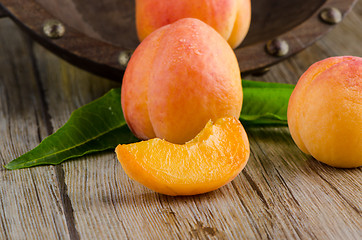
[281,194]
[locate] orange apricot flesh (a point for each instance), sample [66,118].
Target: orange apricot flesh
[207,162]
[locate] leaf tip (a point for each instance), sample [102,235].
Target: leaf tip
[8,166]
[13,165]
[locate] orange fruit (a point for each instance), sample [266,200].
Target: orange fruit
[178,78]
[207,162]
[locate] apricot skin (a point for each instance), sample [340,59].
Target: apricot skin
[181,76]
[325,112]
[231,18]
[207,162]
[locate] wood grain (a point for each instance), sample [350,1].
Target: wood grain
[30,200]
[281,194]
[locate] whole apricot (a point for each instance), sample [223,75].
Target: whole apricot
[325,112]
[231,18]
[181,76]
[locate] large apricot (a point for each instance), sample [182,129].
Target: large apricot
[325,112]
[231,18]
[212,159]
[181,76]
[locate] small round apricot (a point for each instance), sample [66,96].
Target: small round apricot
[325,112]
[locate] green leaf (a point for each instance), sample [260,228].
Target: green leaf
[95,127]
[100,125]
[265,103]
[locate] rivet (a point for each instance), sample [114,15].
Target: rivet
[331,15]
[124,57]
[277,47]
[53,28]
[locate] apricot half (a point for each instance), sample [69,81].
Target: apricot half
[210,160]
[230,18]
[325,111]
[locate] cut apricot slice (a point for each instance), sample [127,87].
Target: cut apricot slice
[209,161]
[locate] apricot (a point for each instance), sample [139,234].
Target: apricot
[230,18]
[325,112]
[207,162]
[181,76]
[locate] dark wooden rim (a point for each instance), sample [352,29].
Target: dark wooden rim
[102,58]
[297,38]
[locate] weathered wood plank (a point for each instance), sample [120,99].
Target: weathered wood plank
[30,204]
[295,191]
[68,88]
